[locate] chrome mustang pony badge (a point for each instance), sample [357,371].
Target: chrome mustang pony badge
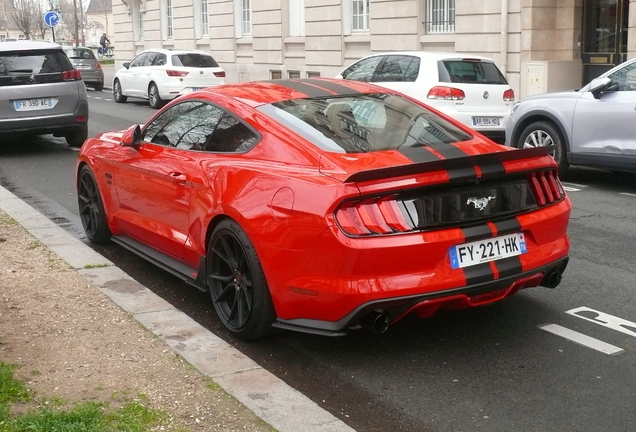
[480,203]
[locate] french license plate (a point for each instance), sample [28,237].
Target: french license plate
[486,121]
[33,104]
[197,88]
[469,254]
[83,67]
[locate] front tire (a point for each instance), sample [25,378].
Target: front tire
[237,283]
[91,208]
[154,98]
[117,94]
[546,134]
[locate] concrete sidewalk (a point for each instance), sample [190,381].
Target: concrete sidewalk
[276,403]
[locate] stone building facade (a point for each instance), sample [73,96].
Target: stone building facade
[540,45]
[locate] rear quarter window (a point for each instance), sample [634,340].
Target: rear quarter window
[470,71]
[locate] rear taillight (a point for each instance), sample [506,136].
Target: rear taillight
[447,93]
[219,74]
[175,73]
[98,67]
[546,187]
[509,95]
[374,216]
[72,75]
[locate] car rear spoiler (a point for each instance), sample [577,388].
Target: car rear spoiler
[462,167]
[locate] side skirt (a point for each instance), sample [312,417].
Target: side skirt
[184,272]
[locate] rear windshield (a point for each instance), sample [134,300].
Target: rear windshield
[194,60]
[470,71]
[32,66]
[364,123]
[80,54]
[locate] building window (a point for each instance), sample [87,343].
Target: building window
[201,27]
[138,21]
[360,16]
[293,74]
[169,20]
[440,16]
[296,17]
[246,17]
[276,74]
[313,74]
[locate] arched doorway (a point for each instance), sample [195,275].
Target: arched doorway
[605,24]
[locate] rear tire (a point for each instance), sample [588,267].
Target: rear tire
[99,87]
[91,208]
[542,134]
[154,98]
[77,138]
[237,283]
[117,94]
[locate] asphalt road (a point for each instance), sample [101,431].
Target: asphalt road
[497,368]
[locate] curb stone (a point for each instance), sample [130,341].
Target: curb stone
[278,404]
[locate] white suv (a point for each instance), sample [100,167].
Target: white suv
[468,88]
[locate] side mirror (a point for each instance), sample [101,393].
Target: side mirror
[132,137]
[598,85]
[126,64]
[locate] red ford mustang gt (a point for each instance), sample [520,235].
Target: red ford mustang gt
[321,206]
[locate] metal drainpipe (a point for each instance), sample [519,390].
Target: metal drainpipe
[504,37]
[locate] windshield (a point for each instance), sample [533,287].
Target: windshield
[364,123]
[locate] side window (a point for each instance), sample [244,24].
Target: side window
[138,61]
[231,136]
[150,59]
[362,70]
[159,60]
[623,79]
[186,126]
[397,68]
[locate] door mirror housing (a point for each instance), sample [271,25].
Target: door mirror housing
[126,64]
[598,86]
[132,137]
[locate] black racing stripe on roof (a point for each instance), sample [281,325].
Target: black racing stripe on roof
[339,89]
[509,226]
[456,164]
[309,90]
[479,273]
[449,151]
[509,266]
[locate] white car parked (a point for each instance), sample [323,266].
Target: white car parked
[468,88]
[160,75]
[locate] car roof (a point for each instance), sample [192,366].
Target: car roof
[435,55]
[172,51]
[28,45]
[258,93]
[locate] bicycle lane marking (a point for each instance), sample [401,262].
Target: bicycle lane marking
[581,339]
[605,320]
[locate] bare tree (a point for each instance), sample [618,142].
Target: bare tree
[24,14]
[40,27]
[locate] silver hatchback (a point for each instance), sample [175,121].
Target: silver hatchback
[84,60]
[41,92]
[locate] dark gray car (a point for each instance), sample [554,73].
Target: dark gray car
[41,92]
[84,60]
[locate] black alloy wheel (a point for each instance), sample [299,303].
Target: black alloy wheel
[237,283]
[91,208]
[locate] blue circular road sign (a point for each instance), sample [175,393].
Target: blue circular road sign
[51,18]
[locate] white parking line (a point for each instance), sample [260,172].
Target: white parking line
[581,339]
[606,320]
[570,189]
[628,194]
[576,185]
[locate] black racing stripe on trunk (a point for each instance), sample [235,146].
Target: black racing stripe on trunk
[509,226]
[309,90]
[478,274]
[477,232]
[338,89]
[462,174]
[509,266]
[418,154]
[449,151]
